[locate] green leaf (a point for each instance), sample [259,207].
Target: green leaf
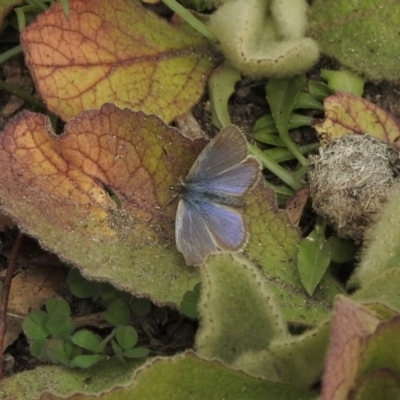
[117,349]
[282,96]
[34,325]
[190,301]
[118,313]
[109,293]
[319,90]
[342,250]
[313,259]
[86,361]
[221,86]
[344,81]
[87,340]
[58,307]
[265,130]
[37,348]
[59,326]
[308,102]
[126,336]
[81,287]
[60,352]
[140,307]
[137,352]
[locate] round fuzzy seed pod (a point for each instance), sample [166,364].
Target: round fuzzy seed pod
[349,181]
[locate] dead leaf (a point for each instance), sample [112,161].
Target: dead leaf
[14,76]
[295,205]
[30,289]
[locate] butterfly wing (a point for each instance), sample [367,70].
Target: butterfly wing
[204,227]
[235,181]
[227,149]
[224,166]
[192,237]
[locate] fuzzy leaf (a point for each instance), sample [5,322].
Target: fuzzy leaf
[352,323]
[114,52]
[381,253]
[362,36]
[29,385]
[363,354]
[86,361]
[268,39]
[234,291]
[187,376]
[273,245]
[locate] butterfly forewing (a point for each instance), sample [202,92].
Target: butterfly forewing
[228,148]
[235,181]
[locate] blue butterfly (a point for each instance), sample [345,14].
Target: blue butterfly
[209,216]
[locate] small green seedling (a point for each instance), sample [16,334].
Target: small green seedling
[54,336]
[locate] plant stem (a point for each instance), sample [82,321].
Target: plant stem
[190,19]
[22,94]
[10,53]
[275,168]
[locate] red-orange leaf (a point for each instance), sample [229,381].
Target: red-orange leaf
[114,51]
[352,323]
[346,113]
[59,189]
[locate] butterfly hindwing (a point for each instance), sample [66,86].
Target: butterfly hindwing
[192,237]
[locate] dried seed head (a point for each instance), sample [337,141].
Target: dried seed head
[349,181]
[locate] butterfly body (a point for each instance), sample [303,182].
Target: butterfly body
[209,216]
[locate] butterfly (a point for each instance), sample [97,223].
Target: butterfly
[209,217]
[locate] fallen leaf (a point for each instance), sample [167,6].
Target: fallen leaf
[114,52]
[13,73]
[346,113]
[295,205]
[29,290]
